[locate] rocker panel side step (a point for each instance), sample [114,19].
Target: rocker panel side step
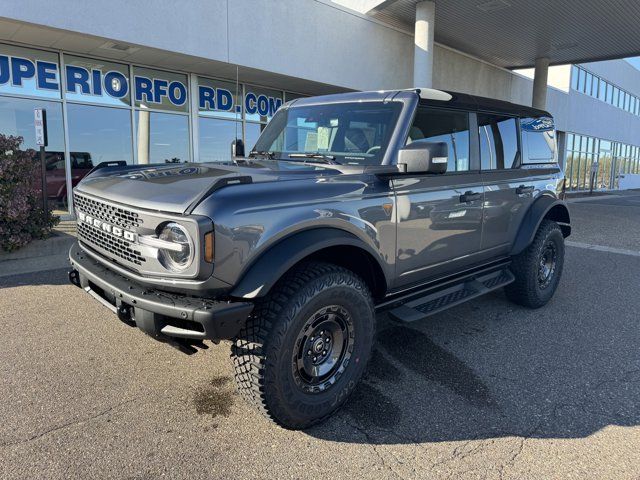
[441,299]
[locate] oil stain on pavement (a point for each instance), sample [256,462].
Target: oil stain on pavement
[216,399]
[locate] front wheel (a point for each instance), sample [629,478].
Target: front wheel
[306,345]
[538,268]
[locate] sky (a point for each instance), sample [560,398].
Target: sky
[635,61]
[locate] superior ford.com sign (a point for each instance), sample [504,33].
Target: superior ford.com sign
[17,71]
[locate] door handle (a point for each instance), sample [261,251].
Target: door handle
[522,189]
[469,196]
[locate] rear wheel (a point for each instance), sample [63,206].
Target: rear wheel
[306,345]
[538,268]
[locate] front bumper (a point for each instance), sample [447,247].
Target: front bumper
[161,314]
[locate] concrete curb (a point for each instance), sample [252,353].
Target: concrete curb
[57,244]
[21,266]
[586,199]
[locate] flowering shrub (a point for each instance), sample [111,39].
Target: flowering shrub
[21,214]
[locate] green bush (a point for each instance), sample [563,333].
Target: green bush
[21,213]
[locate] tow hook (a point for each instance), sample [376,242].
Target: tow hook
[124,314]
[74,278]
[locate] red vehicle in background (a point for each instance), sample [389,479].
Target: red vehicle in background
[81,165]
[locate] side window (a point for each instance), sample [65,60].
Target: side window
[451,127]
[498,141]
[538,140]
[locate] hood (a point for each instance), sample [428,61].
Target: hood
[178,188]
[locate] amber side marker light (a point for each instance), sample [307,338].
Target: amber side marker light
[208,247]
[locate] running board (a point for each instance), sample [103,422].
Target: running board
[448,297]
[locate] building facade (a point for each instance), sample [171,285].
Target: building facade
[183,82]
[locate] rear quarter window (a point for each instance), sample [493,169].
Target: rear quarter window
[538,140]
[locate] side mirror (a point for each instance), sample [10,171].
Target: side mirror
[424,157]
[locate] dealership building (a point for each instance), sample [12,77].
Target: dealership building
[177,81]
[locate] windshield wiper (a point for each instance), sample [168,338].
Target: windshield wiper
[262,153]
[316,156]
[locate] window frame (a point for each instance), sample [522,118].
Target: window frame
[555,137]
[517,164]
[474,145]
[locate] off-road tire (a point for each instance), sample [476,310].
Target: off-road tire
[527,290]
[263,353]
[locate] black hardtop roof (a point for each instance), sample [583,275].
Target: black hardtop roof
[428,96]
[477,103]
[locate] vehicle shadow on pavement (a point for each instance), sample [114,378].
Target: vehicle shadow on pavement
[51,277]
[478,373]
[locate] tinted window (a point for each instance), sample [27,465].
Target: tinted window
[98,134]
[432,125]
[16,118]
[216,137]
[162,137]
[251,133]
[498,141]
[538,140]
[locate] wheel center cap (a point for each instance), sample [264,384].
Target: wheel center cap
[318,345]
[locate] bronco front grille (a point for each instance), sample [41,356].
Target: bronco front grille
[109,213]
[117,246]
[104,240]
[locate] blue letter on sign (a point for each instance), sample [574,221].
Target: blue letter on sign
[159,90]
[115,84]
[46,73]
[263,105]
[96,82]
[274,105]
[77,76]
[250,103]
[21,68]
[177,93]
[4,69]
[225,99]
[206,98]
[143,87]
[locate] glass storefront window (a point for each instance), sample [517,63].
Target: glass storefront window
[24,71]
[17,119]
[162,137]
[216,137]
[97,134]
[260,104]
[602,92]
[118,111]
[251,133]
[219,99]
[96,81]
[160,90]
[288,96]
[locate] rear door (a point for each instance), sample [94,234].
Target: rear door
[510,183]
[439,217]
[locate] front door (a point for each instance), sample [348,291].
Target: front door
[439,217]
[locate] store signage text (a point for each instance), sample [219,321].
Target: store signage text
[210,98]
[17,71]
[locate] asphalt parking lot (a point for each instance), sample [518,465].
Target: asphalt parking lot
[485,390]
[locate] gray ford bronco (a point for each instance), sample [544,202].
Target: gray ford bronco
[407,202]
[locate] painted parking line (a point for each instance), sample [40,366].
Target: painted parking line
[602,248]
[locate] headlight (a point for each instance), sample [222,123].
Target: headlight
[176,259]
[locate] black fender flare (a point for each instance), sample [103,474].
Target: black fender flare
[544,206]
[272,264]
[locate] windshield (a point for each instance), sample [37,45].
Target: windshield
[348,133]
